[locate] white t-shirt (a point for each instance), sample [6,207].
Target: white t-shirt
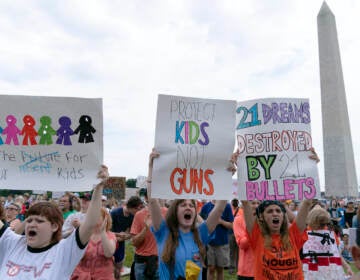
[67,227]
[19,262]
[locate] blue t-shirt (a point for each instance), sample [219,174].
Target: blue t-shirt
[220,235]
[187,249]
[119,221]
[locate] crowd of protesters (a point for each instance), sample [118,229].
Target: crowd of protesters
[84,237]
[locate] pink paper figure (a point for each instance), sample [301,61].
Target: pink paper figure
[29,131]
[11,131]
[64,132]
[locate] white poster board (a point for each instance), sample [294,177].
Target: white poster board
[273,137]
[195,138]
[50,143]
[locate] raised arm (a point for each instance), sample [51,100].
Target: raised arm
[108,244]
[248,216]
[306,205]
[291,216]
[93,212]
[214,217]
[1,216]
[154,205]
[304,210]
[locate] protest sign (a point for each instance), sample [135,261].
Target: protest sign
[195,138]
[274,138]
[50,143]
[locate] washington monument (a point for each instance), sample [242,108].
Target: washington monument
[340,173]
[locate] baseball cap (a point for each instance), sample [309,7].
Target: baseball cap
[261,208]
[86,196]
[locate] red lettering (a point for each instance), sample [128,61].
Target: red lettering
[197,177]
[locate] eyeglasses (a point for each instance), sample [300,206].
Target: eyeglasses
[12,209]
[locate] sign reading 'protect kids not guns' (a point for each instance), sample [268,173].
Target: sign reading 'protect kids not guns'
[195,139]
[274,138]
[50,143]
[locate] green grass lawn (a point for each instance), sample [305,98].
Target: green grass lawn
[130,255]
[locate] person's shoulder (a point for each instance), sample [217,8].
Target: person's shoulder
[116,211]
[207,205]
[142,212]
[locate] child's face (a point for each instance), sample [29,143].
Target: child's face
[39,231]
[186,213]
[273,217]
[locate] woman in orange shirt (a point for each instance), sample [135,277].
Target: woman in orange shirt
[245,269]
[275,245]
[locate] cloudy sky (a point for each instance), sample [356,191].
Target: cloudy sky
[127,52]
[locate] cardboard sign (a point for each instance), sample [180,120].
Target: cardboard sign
[274,138]
[195,138]
[50,143]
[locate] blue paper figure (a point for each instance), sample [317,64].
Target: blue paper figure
[64,132]
[1,141]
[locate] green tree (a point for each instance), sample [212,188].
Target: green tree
[131,183]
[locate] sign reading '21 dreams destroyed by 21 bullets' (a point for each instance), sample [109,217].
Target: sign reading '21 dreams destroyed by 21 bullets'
[50,143]
[274,136]
[195,138]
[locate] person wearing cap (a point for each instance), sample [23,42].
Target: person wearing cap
[275,244]
[74,220]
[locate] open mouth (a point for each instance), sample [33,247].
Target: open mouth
[276,221]
[31,233]
[187,216]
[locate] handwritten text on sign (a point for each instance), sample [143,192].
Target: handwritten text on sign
[47,144]
[273,136]
[190,135]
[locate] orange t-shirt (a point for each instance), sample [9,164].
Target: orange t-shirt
[148,247]
[246,255]
[278,264]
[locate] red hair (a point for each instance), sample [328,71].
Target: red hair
[52,213]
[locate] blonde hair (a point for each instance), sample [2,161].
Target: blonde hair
[318,218]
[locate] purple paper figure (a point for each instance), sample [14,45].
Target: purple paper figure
[29,131]
[1,141]
[11,131]
[46,131]
[64,132]
[86,130]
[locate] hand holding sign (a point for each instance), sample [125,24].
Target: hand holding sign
[274,139]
